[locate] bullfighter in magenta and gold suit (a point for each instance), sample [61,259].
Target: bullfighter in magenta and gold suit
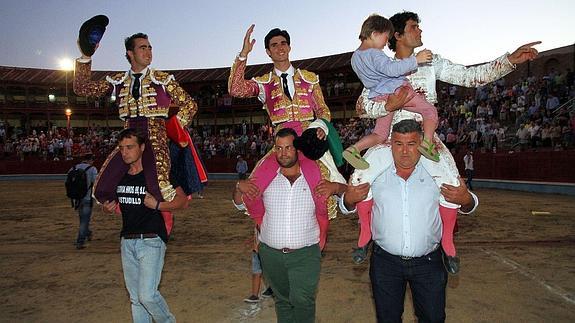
[293,99]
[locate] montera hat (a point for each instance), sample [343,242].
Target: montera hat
[91,33]
[310,145]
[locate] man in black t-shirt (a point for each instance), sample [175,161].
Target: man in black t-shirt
[146,224]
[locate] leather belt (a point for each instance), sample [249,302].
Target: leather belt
[139,235]
[285,250]
[405,258]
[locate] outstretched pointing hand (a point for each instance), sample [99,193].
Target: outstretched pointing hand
[524,53]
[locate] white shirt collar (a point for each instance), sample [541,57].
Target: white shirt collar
[416,169]
[290,71]
[144,72]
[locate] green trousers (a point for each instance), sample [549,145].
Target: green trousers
[294,278]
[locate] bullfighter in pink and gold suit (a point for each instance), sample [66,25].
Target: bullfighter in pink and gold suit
[293,99]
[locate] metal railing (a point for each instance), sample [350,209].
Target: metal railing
[565,107]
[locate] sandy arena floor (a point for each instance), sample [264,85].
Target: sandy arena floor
[516,267]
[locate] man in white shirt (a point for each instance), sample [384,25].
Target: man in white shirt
[291,234]
[406,228]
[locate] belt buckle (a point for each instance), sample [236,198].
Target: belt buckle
[286,250]
[405,257]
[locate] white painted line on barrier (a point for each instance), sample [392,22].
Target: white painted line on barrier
[569,298]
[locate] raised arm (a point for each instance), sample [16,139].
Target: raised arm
[238,86]
[83,84]
[248,42]
[482,74]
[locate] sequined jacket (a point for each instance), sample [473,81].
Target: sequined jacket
[159,90]
[306,105]
[425,78]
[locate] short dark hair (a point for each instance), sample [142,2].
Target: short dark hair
[407,126]
[275,32]
[129,43]
[375,23]
[399,20]
[131,132]
[284,132]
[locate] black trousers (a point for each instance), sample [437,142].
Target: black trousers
[469,178]
[427,279]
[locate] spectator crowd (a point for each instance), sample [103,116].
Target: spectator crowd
[534,113]
[54,143]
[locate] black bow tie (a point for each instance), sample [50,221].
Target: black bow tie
[136,86]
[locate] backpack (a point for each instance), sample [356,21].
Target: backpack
[77,183]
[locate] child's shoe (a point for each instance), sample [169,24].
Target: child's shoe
[353,157]
[427,149]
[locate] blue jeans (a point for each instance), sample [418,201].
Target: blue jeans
[84,213]
[427,279]
[142,262]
